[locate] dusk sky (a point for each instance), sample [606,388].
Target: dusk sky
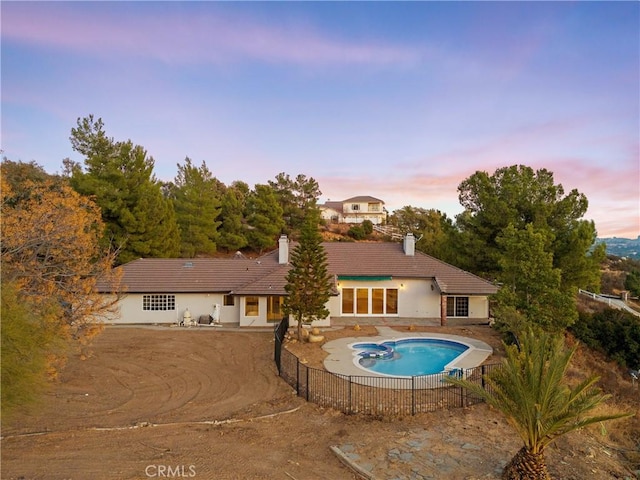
[400,101]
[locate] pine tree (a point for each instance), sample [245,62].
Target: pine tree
[119,175]
[232,230]
[309,284]
[196,195]
[264,216]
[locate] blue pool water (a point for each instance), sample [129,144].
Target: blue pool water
[411,357]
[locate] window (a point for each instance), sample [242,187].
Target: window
[369,301]
[347,300]
[158,302]
[355,206]
[251,306]
[274,309]
[392,301]
[374,207]
[362,301]
[457,306]
[229,301]
[377,301]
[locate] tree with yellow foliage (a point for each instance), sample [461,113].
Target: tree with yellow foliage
[51,262]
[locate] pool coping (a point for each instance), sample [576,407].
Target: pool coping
[340,358]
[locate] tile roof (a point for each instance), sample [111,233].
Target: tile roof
[265,276]
[337,206]
[362,199]
[179,275]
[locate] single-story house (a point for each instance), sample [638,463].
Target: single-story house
[354,210]
[370,279]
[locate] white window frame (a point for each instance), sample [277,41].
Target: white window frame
[370,302]
[158,302]
[460,307]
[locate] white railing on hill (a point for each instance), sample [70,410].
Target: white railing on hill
[613,302]
[388,230]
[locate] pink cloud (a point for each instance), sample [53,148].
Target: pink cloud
[184,37]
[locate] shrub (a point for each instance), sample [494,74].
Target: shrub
[632,282]
[367,226]
[613,332]
[357,232]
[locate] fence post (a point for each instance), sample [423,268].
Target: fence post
[307,369]
[349,391]
[482,373]
[297,376]
[413,395]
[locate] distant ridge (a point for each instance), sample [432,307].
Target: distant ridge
[622,247]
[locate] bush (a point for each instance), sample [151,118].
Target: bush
[613,332]
[26,345]
[367,226]
[357,232]
[632,282]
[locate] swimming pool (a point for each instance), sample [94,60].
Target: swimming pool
[406,357]
[342,359]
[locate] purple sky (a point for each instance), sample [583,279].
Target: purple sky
[401,101]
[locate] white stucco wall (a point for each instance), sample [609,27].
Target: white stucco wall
[329,214]
[198,304]
[415,298]
[478,307]
[261,319]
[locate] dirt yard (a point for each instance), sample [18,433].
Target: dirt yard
[208,404]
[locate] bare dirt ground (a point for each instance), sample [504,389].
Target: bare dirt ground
[208,404]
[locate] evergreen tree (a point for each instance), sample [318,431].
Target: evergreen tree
[519,228]
[531,285]
[433,230]
[632,282]
[296,197]
[196,196]
[519,196]
[264,215]
[308,281]
[233,231]
[119,175]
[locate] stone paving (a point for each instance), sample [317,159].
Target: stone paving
[420,456]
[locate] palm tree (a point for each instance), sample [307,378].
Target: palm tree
[530,390]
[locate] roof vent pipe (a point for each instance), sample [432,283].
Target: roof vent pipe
[283,250]
[409,245]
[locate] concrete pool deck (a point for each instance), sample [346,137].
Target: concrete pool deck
[340,359]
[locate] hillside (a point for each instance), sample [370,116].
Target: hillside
[622,247]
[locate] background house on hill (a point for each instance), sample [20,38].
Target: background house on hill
[354,210]
[371,280]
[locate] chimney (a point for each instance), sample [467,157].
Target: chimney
[409,245]
[283,250]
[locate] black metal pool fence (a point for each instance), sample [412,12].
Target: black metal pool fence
[372,395]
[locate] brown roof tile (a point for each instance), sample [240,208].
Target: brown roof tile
[362,199]
[265,276]
[176,275]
